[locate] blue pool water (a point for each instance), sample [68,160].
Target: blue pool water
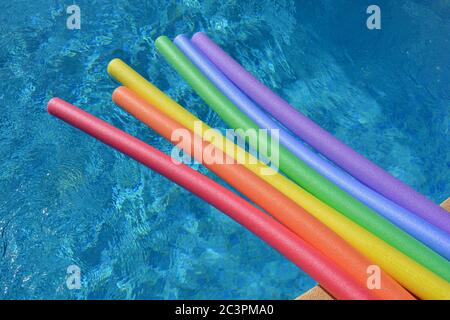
[66,199]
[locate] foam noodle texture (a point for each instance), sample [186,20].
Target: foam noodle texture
[299,171]
[432,236]
[336,281]
[341,154]
[414,277]
[261,193]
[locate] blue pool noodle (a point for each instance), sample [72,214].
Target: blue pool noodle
[430,235]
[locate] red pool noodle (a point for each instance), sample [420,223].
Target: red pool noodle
[335,280]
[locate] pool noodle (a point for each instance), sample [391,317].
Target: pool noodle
[264,195]
[298,171]
[336,281]
[332,148]
[432,236]
[414,277]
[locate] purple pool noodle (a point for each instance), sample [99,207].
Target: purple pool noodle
[357,165]
[430,235]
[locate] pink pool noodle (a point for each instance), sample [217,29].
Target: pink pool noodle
[335,280]
[335,150]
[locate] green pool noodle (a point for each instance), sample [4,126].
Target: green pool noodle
[299,172]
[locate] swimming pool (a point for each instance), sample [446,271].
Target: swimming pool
[69,200]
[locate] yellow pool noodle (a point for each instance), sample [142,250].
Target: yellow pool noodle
[413,276]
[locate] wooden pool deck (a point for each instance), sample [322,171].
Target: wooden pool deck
[318,293]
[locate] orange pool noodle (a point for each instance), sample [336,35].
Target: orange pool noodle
[267,197]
